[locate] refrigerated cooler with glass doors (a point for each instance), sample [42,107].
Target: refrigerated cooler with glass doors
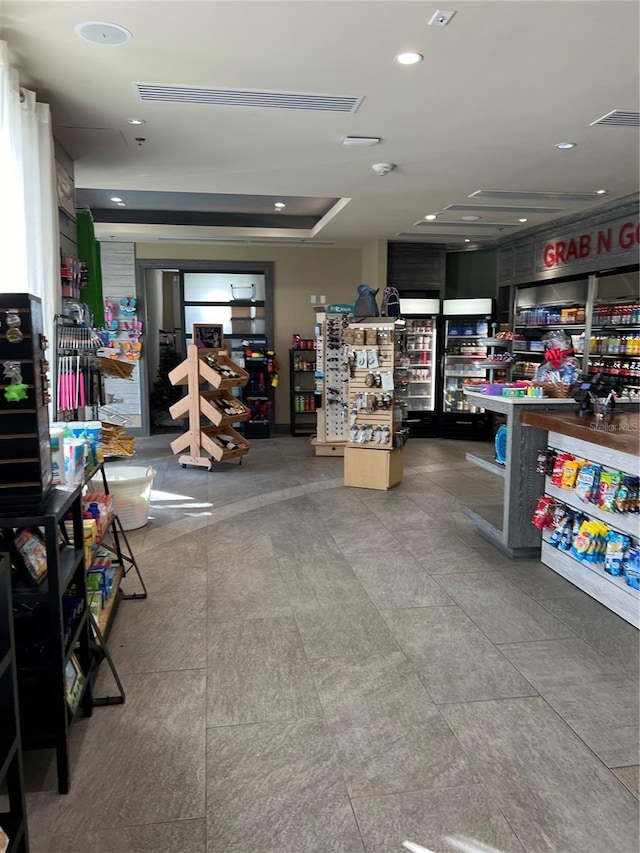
[418,366]
[466,326]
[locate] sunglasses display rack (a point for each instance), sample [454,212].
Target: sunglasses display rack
[331,377]
[217,405]
[373,455]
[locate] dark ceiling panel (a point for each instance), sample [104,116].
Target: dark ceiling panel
[217,220]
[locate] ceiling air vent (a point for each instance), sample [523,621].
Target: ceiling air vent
[619,118]
[247,98]
[530,195]
[498,208]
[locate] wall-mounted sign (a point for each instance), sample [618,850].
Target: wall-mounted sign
[339,309]
[590,248]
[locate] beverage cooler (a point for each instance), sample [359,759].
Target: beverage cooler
[466,323]
[419,366]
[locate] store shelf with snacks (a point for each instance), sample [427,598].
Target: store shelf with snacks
[67,645]
[220,440]
[604,492]
[373,456]
[13,821]
[302,405]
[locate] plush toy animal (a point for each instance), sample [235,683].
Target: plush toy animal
[366,305]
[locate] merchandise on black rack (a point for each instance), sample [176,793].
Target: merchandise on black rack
[258,394]
[25,454]
[302,409]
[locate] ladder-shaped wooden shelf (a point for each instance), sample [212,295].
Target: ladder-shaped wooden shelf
[218,406]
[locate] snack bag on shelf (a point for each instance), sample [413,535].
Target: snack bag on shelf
[588,545]
[587,483]
[562,532]
[631,567]
[558,467]
[626,499]
[609,483]
[570,471]
[616,548]
[543,514]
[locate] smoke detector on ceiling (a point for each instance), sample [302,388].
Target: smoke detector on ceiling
[383,168]
[103,33]
[440,18]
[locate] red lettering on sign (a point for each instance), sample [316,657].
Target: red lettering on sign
[629,234]
[549,255]
[561,248]
[585,246]
[604,241]
[572,251]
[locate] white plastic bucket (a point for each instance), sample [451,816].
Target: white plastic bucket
[130,486]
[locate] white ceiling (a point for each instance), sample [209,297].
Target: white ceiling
[498,88]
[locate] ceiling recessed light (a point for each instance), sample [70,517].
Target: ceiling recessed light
[563,145]
[522,220]
[430,217]
[103,33]
[361,141]
[600,192]
[467,240]
[409,58]
[469,218]
[136,121]
[121,204]
[279,205]
[115,198]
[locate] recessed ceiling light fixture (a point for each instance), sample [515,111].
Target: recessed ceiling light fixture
[467,240]
[564,145]
[522,220]
[409,58]
[361,141]
[115,198]
[121,204]
[136,121]
[600,192]
[279,205]
[470,218]
[103,33]
[430,217]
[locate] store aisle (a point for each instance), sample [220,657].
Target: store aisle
[328,670]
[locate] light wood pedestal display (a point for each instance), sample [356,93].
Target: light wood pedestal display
[369,469]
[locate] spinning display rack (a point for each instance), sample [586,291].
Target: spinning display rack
[218,405]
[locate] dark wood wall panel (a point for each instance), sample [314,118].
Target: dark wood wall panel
[416,266]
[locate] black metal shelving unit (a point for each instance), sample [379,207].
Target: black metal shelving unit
[302,409]
[14,820]
[45,714]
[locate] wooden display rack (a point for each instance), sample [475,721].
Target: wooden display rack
[375,463]
[194,371]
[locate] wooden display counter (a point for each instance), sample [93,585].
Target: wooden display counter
[613,443]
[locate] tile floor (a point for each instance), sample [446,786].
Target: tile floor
[320,669]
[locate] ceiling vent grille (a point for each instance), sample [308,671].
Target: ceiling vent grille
[467,226]
[619,118]
[529,195]
[254,241]
[247,98]
[498,208]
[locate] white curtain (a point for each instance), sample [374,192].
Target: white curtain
[29,236]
